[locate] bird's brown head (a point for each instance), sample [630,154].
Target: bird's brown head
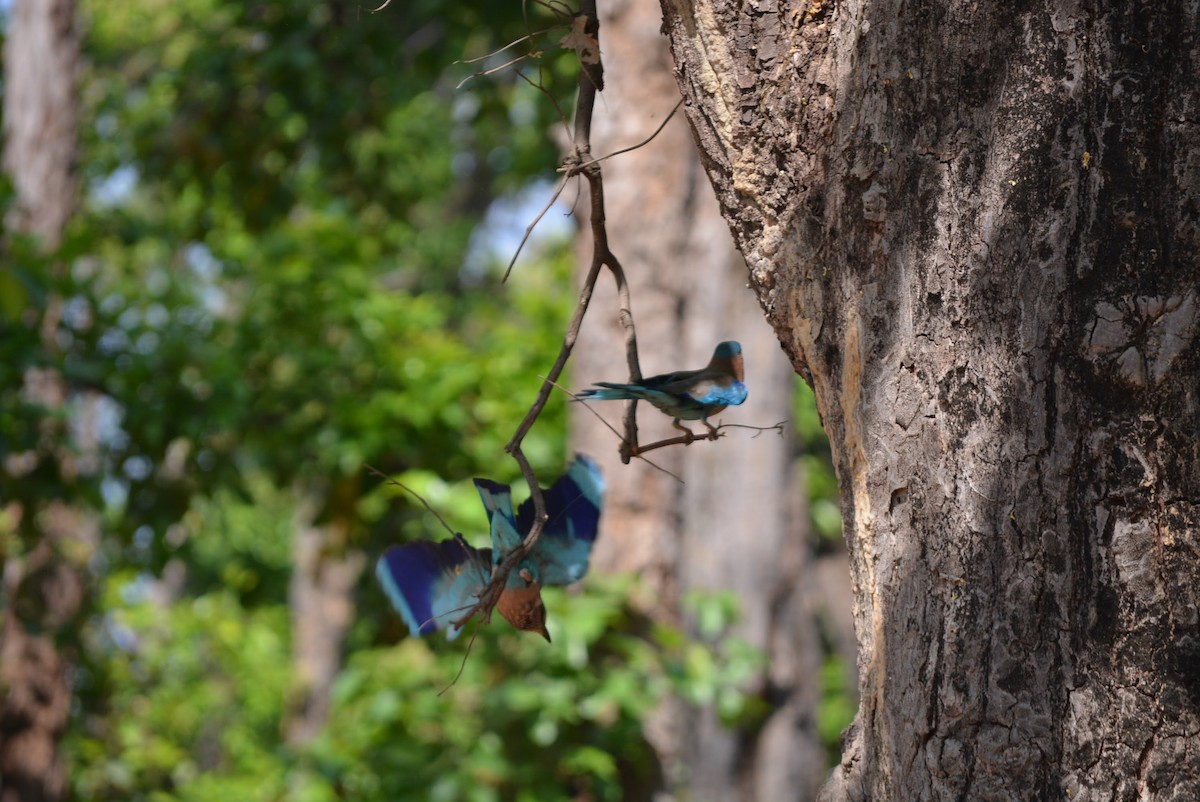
[728,358]
[523,608]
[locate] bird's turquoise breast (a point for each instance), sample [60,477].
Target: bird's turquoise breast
[715,394]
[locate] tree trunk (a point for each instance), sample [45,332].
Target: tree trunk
[974,225]
[42,590]
[41,58]
[325,572]
[736,522]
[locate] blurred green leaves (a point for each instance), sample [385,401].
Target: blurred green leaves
[266,291]
[817,467]
[268,275]
[197,683]
[716,668]
[201,680]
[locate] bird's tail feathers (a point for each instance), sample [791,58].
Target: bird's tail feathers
[604,391]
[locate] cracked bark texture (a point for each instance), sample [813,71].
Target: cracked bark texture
[974,226]
[737,521]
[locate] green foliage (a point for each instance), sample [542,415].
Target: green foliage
[248,110]
[837,706]
[839,698]
[197,684]
[266,290]
[202,680]
[268,275]
[524,720]
[817,466]
[715,668]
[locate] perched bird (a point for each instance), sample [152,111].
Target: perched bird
[432,584]
[687,394]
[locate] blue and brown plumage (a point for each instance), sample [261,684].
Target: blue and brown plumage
[686,394]
[433,584]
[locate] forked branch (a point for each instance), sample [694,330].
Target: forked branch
[578,162]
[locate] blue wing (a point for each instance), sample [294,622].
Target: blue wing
[497,500]
[431,584]
[573,505]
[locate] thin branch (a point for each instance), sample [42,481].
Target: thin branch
[463,665]
[417,495]
[492,70]
[526,38]
[682,440]
[613,429]
[641,144]
[712,434]
[602,257]
[778,427]
[540,85]
[529,228]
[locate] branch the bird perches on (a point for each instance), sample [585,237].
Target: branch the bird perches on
[579,162]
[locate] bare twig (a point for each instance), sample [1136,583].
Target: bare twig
[684,440]
[641,144]
[540,85]
[713,434]
[529,228]
[613,429]
[462,665]
[505,65]
[602,256]
[778,427]
[526,38]
[416,495]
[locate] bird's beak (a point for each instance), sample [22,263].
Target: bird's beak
[545,633]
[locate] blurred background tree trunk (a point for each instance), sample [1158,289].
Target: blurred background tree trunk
[325,574]
[42,586]
[737,521]
[41,62]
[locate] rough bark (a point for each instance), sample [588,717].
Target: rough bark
[974,225]
[734,523]
[42,589]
